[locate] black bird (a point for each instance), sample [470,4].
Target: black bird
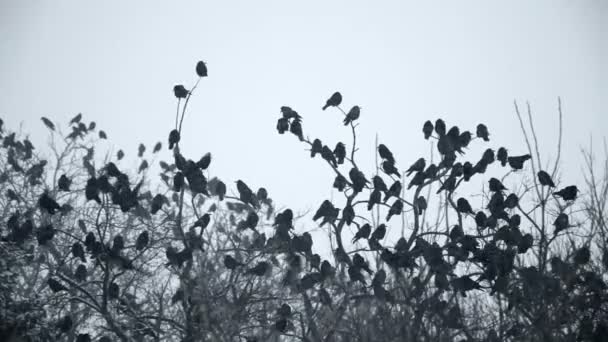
[76,119]
[340,153]
[328,155]
[417,180]
[56,286]
[353,114]
[118,243]
[545,179]
[81,273]
[582,256]
[379,278]
[325,209]
[480,219]
[340,183]
[359,261]
[463,140]
[355,275]
[260,269]
[282,125]
[245,193]
[385,153]
[511,201]
[449,185]
[140,150]
[427,129]
[296,129]
[348,213]
[204,162]
[561,223]
[48,123]
[289,113]
[457,170]
[420,203]
[326,269]
[358,179]
[379,184]
[231,263]
[394,190]
[220,190]
[417,166]
[379,233]
[488,156]
[517,163]
[78,251]
[157,203]
[389,168]
[47,203]
[467,171]
[120,154]
[157,147]
[178,181]
[180,92]
[363,232]
[502,156]
[142,240]
[431,171]
[568,193]
[374,198]
[463,206]
[201,69]
[440,127]
[174,138]
[482,132]
[333,101]
[496,185]
[317,147]
[395,209]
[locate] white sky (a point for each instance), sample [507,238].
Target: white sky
[402,62]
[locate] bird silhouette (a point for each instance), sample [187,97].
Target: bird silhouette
[568,193]
[231,263]
[157,147]
[48,204]
[76,119]
[333,101]
[64,183]
[379,233]
[511,201]
[340,153]
[340,183]
[417,166]
[379,183]
[140,150]
[561,223]
[358,179]
[317,147]
[449,185]
[282,125]
[48,123]
[78,251]
[362,233]
[385,153]
[420,203]
[296,129]
[496,185]
[502,156]
[174,138]
[517,162]
[374,198]
[545,179]
[328,155]
[482,132]
[389,168]
[395,209]
[260,269]
[427,129]
[440,127]
[394,190]
[245,193]
[353,114]
[81,273]
[355,275]
[204,162]
[417,180]
[201,69]
[289,113]
[463,206]
[142,240]
[180,92]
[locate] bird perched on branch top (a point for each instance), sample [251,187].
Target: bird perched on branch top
[353,114]
[333,101]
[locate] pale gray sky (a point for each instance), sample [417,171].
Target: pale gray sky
[401,61]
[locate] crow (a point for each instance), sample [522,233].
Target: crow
[449,185]
[374,198]
[76,119]
[180,92]
[359,261]
[488,156]
[568,193]
[560,223]
[78,251]
[296,129]
[502,156]
[385,153]
[260,269]
[245,193]
[417,166]
[333,101]
[289,113]
[394,190]
[395,209]
[231,263]
[431,171]
[353,114]
[427,129]
[440,127]
[463,206]
[355,275]
[362,233]
[379,233]
[328,155]
[340,183]
[317,147]
[482,132]
[140,150]
[157,147]
[340,152]
[545,179]
[48,123]
[174,138]
[389,168]
[417,180]
[358,179]
[379,183]
[47,203]
[517,163]
[142,241]
[496,185]
[204,162]
[201,69]
[81,273]
[511,201]
[282,125]
[420,203]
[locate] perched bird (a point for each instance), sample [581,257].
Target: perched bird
[379,233]
[220,190]
[496,185]
[449,185]
[431,171]
[389,168]
[488,156]
[81,273]
[231,263]
[355,275]
[363,232]
[174,138]
[481,219]
[204,162]
[340,183]
[76,119]
[427,129]
[545,179]
[582,256]
[385,153]
[120,154]
[56,286]
[502,156]
[394,190]
[180,92]
[517,163]
[379,183]
[245,193]
[48,123]
[142,240]
[289,113]
[482,132]
[463,141]
[157,147]
[511,201]
[47,203]
[326,269]
[358,179]
[417,166]
[317,147]
[140,150]
[340,153]
[201,69]
[296,129]
[560,223]
[328,155]
[348,214]
[333,101]
[568,193]
[78,251]
[282,125]
[353,114]
[421,204]
[417,180]
[359,261]
[395,209]
[440,127]
[379,278]
[463,206]
[374,198]
[467,171]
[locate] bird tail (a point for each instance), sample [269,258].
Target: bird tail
[325,107]
[346,121]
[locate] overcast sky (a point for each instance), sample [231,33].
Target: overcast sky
[402,62]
